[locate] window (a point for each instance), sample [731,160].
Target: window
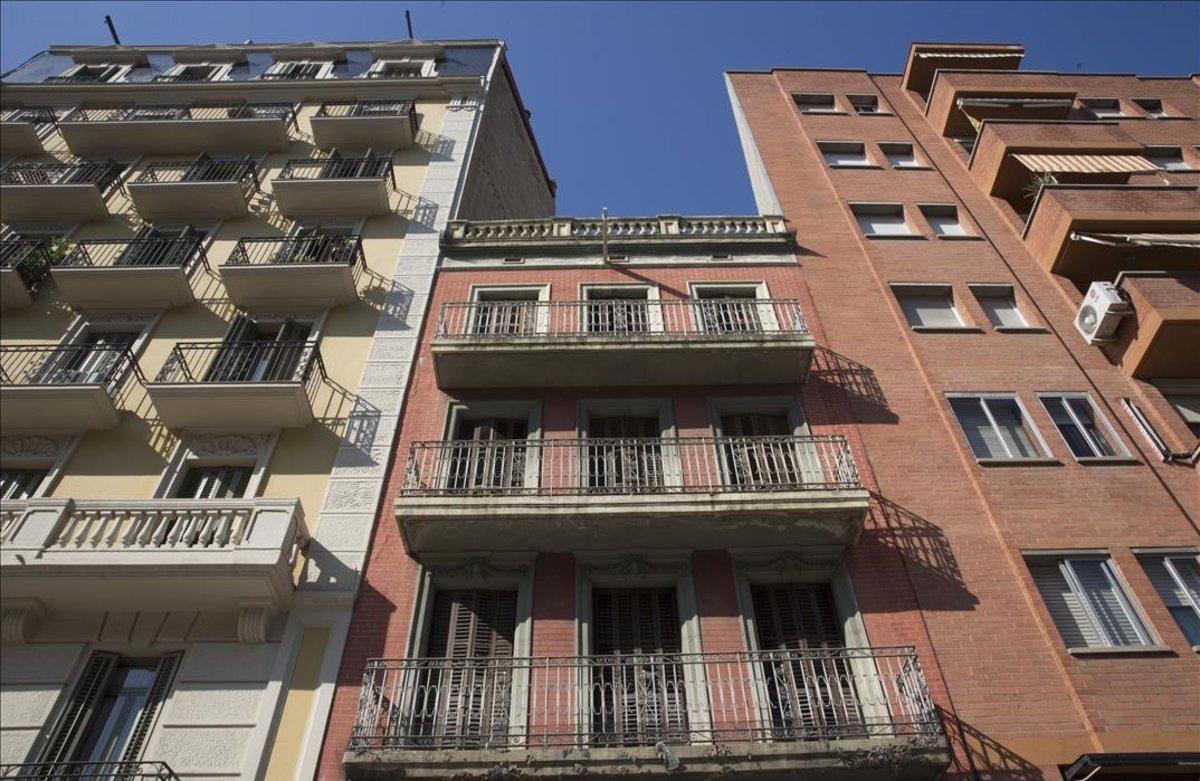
[20,483]
[1082,427]
[111,711]
[996,427]
[844,154]
[1103,108]
[900,155]
[1176,578]
[865,104]
[943,219]
[816,103]
[300,70]
[96,74]
[1086,602]
[619,310]
[731,309]
[1152,106]
[199,72]
[262,351]
[400,69]
[1000,306]
[508,311]
[928,306]
[881,219]
[215,482]
[1167,158]
[95,357]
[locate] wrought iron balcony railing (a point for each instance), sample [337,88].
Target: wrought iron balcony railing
[366,108]
[74,364]
[135,253]
[88,771]
[183,112]
[620,317]
[36,115]
[242,362]
[645,465]
[344,250]
[826,694]
[82,77]
[243,171]
[30,258]
[103,175]
[304,169]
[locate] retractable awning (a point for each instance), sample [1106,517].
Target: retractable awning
[1187,240]
[969,55]
[1086,164]
[1017,102]
[1128,767]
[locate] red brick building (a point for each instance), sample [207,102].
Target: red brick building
[843,492]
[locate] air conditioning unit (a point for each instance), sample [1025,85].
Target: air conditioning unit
[1101,312]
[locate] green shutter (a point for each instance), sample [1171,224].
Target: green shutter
[72,721]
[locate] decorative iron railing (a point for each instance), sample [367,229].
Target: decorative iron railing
[183,112]
[35,115]
[298,250]
[72,364]
[713,318]
[338,168]
[30,258]
[86,771]
[102,175]
[642,465]
[241,171]
[825,694]
[82,77]
[135,253]
[365,108]
[243,362]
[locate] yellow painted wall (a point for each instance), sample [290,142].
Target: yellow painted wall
[297,706]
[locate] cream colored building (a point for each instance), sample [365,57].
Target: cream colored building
[216,262]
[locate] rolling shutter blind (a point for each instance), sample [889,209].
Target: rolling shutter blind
[73,720]
[1106,602]
[796,616]
[163,675]
[1002,310]
[1064,605]
[1181,600]
[933,310]
[1012,427]
[1085,601]
[981,436]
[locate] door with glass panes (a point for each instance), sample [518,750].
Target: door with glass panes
[488,455]
[260,352]
[160,246]
[628,456]
[97,357]
[758,454]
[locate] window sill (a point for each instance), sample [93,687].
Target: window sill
[1018,461]
[946,329]
[1020,329]
[964,237]
[825,112]
[874,113]
[908,236]
[912,168]
[866,166]
[1102,460]
[1120,650]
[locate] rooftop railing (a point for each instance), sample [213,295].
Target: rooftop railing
[135,253]
[88,771]
[243,362]
[628,700]
[183,112]
[102,175]
[663,227]
[641,465]
[72,364]
[714,318]
[30,258]
[243,171]
[298,250]
[311,169]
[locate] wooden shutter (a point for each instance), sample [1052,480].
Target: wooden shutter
[634,463]
[73,719]
[492,456]
[757,463]
[163,676]
[796,616]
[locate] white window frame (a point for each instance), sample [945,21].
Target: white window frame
[982,290]
[1136,618]
[860,208]
[929,289]
[828,147]
[119,76]
[654,314]
[189,453]
[53,463]
[945,209]
[458,411]
[1122,452]
[880,110]
[221,74]
[766,312]
[478,294]
[1039,442]
[1154,153]
[833,103]
[1089,104]
[428,67]
[917,165]
[326,71]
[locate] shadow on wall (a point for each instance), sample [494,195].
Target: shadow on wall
[923,546]
[438,146]
[852,382]
[976,757]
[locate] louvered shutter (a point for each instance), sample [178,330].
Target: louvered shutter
[72,722]
[491,455]
[632,459]
[1064,605]
[796,617]
[235,359]
[758,463]
[641,700]
[163,676]
[981,435]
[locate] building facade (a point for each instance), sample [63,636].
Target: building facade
[216,260]
[1013,258]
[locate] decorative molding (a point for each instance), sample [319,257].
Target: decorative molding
[32,447]
[635,567]
[224,445]
[92,318]
[252,624]
[479,568]
[18,620]
[789,565]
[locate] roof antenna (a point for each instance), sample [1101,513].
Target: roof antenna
[408,20]
[112,30]
[604,234]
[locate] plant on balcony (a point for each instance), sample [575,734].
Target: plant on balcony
[1036,182]
[57,249]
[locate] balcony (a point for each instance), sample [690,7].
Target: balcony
[335,187]
[19,135]
[1090,234]
[88,771]
[152,554]
[62,388]
[247,128]
[377,124]
[190,192]
[775,714]
[606,342]
[960,100]
[309,271]
[56,192]
[927,61]
[24,263]
[1161,338]
[130,273]
[560,494]
[251,384]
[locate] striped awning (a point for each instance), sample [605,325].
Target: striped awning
[969,55]
[1022,102]
[1086,164]
[1189,240]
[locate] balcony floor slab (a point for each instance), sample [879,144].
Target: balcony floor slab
[231,405]
[171,137]
[124,287]
[13,292]
[189,201]
[48,409]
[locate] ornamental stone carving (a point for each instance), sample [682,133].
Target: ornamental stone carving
[637,567]
[789,565]
[30,447]
[252,624]
[223,445]
[475,568]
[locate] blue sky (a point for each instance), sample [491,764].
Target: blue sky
[628,100]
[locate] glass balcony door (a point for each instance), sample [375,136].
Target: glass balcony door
[255,352]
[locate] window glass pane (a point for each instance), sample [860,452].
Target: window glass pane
[1086,416]
[1071,434]
[1177,581]
[117,714]
[932,310]
[1106,604]
[1063,604]
[1013,431]
[1001,310]
[981,436]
